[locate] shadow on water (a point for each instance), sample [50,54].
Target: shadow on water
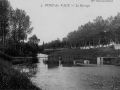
[67,65]
[52,66]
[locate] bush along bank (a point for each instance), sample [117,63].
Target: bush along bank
[11,79]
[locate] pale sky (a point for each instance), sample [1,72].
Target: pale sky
[51,23]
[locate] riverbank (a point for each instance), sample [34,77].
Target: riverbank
[11,79]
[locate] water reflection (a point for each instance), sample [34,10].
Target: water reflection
[67,65]
[29,69]
[51,66]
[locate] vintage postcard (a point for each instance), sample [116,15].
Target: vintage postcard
[59,44]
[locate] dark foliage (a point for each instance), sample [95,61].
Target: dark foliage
[13,80]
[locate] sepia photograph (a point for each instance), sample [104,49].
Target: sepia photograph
[59,44]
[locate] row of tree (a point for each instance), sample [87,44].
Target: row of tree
[98,32]
[15,26]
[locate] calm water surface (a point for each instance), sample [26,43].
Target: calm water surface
[72,77]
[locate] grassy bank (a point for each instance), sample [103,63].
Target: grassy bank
[88,53]
[13,80]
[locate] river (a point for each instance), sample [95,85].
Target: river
[47,77]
